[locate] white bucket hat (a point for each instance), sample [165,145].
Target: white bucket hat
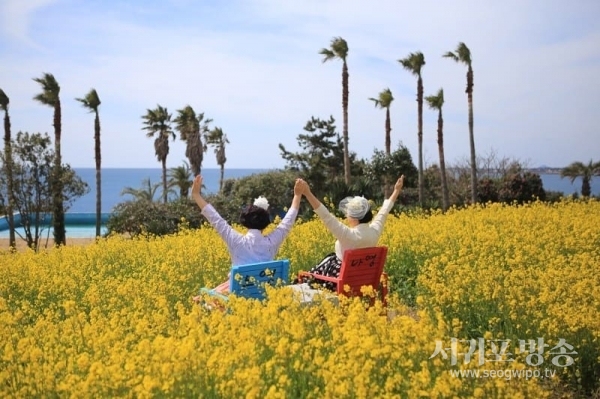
[355,207]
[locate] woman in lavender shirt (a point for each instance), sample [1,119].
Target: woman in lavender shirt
[253,246]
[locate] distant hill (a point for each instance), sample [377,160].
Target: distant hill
[546,170]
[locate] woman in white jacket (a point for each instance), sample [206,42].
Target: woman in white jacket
[361,231]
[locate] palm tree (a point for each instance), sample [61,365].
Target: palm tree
[91,101]
[191,128]
[413,63]
[436,102]
[218,139]
[579,169]
[339,49]
[50,97]
[462,55]
[158,121]
[384,101]
[181,176]
[4,100]
[146,193]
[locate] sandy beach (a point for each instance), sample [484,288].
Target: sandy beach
[21,244]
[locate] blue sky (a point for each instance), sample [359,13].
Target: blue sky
[253,67]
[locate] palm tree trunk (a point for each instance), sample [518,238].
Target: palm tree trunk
[221,178]
[58,208]
[345,122]
[420,138]
[388,132]
[586,188]
[9,181]
[194,153]
[471,136]
[388,149]
[440,131]
[98,174]
[164,178]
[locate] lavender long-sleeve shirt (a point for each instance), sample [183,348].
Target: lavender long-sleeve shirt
[253,246]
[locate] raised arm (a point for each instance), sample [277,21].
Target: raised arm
[397,189]
[297,195]
[333,224]
[227,233]
[305,189]
[196,186]
[283,229]
[379,219]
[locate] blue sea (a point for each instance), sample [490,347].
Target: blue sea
[115,180]
[553,182]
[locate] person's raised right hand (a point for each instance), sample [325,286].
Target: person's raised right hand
[197,185]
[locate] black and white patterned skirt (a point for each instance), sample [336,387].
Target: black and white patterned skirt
[329,266]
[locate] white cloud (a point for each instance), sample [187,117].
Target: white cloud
[254,68]
[16,15]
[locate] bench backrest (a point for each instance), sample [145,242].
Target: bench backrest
[361,267]
[248,280]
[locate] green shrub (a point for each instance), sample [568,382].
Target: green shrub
[153,218]
[522,187]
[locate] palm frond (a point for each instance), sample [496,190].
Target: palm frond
[42,99]
[464,54]
[573,171]
[451,55]
[50,89]
[91,101]
[145,193]
[158,120]
[461,54]
[185,122]
[327,54]
[436,101]
[207,121]
[384,99]
[338,49]
[413,63]
[180,177]
[182,172]
[4,100]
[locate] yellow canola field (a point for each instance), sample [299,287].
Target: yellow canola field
[115,318]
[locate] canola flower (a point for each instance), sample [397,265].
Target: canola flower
[116,319]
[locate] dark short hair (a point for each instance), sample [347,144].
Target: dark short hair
[367,218]
[255,217]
